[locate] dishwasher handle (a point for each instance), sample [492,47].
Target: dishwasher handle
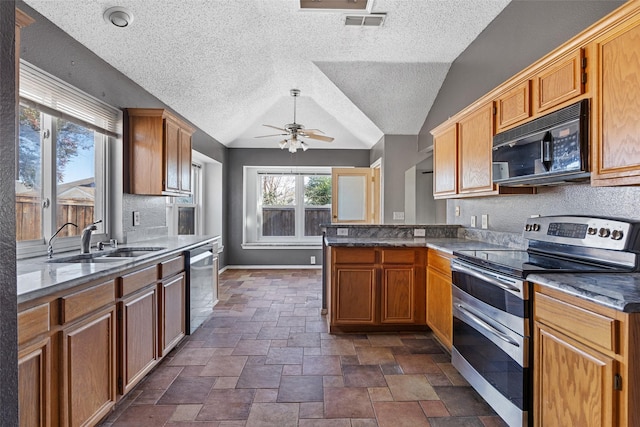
[200,257]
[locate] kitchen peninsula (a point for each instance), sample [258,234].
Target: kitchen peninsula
[375,276]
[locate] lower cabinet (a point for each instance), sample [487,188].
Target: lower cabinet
[172,313]
[81,351]
[34,382]
[585,363]
[377,287]
[138,331]
[439,300]
[88,369]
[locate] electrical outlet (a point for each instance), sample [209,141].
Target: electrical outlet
[419,232]
[473,221]
[457,210]
[343,231]
[136,218]
[313,260]
[485,221]
[398,215]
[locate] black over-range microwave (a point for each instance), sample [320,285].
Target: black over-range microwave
[552,149]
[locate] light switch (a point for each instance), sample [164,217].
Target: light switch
[342,232]
[398,215]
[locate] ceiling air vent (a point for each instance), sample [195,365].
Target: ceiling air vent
[372,20]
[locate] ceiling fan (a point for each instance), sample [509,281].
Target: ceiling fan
[294,130]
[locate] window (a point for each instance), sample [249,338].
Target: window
[286,206]
[61,160]
[184,212]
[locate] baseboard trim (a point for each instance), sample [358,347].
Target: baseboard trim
[270,267]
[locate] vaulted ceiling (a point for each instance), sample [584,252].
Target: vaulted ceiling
[228,65]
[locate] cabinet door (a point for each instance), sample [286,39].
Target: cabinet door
[514,106]
[445,162]
[172,313]
[439,308]
[185,161]
[475,141]
[34,381]
[88,370]
[398,294]
[354,295]
[138,328]
[561,82]
[573,384]
[616,148]
[352,195]
[172,156]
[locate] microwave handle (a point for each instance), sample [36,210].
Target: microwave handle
[546,148]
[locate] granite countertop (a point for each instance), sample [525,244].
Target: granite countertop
[37,278]
[443,244]
[617,291]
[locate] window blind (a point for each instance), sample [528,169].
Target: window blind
[52,96]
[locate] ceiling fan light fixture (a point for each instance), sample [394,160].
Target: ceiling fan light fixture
[118,16]
[304,146]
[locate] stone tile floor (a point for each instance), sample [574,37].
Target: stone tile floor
[264,358]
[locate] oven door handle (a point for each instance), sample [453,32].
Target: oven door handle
[486,326]
[489,279]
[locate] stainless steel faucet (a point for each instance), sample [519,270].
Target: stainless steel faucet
[50,247]
[85,238]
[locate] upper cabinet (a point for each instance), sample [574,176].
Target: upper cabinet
[475,138]
[355,195]
[159,161]
[616,147]
[563,80]
[445,161]
[514,106]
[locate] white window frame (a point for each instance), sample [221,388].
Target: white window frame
[173,204]
[252,208]
[55,98]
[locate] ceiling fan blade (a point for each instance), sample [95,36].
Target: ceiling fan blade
[275,127]
[267,136]
[312,130]
[319,137]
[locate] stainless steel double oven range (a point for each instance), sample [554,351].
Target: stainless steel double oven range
[493,306]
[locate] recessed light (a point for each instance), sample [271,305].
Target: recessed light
[118,16]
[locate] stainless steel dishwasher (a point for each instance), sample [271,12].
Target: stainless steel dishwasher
[202,292]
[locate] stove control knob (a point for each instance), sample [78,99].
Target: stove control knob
[604,232]
[592,230]
[536,227]
[617,235]
[527,227]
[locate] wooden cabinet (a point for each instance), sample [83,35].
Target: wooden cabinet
[159,152]
[514,106]
[138,326]
[475,140]
[34,384]
[584,362]
[88,369]
[561,81]
[372,288]
[616,147]
[439,300]
[173,327]
[445,161]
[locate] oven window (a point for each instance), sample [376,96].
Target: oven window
[491,294]
[493,364]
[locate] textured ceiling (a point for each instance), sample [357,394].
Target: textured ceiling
[228,65]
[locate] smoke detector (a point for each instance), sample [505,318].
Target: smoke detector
[118,16]
[370,20]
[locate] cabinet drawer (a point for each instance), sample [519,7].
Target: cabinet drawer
[33,322]
[583,324]
[354,256]
[398,256]
[171,267]
[137,280]
[84,302]
[440,262]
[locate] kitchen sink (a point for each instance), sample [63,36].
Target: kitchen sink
[130,252]
[107,256]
